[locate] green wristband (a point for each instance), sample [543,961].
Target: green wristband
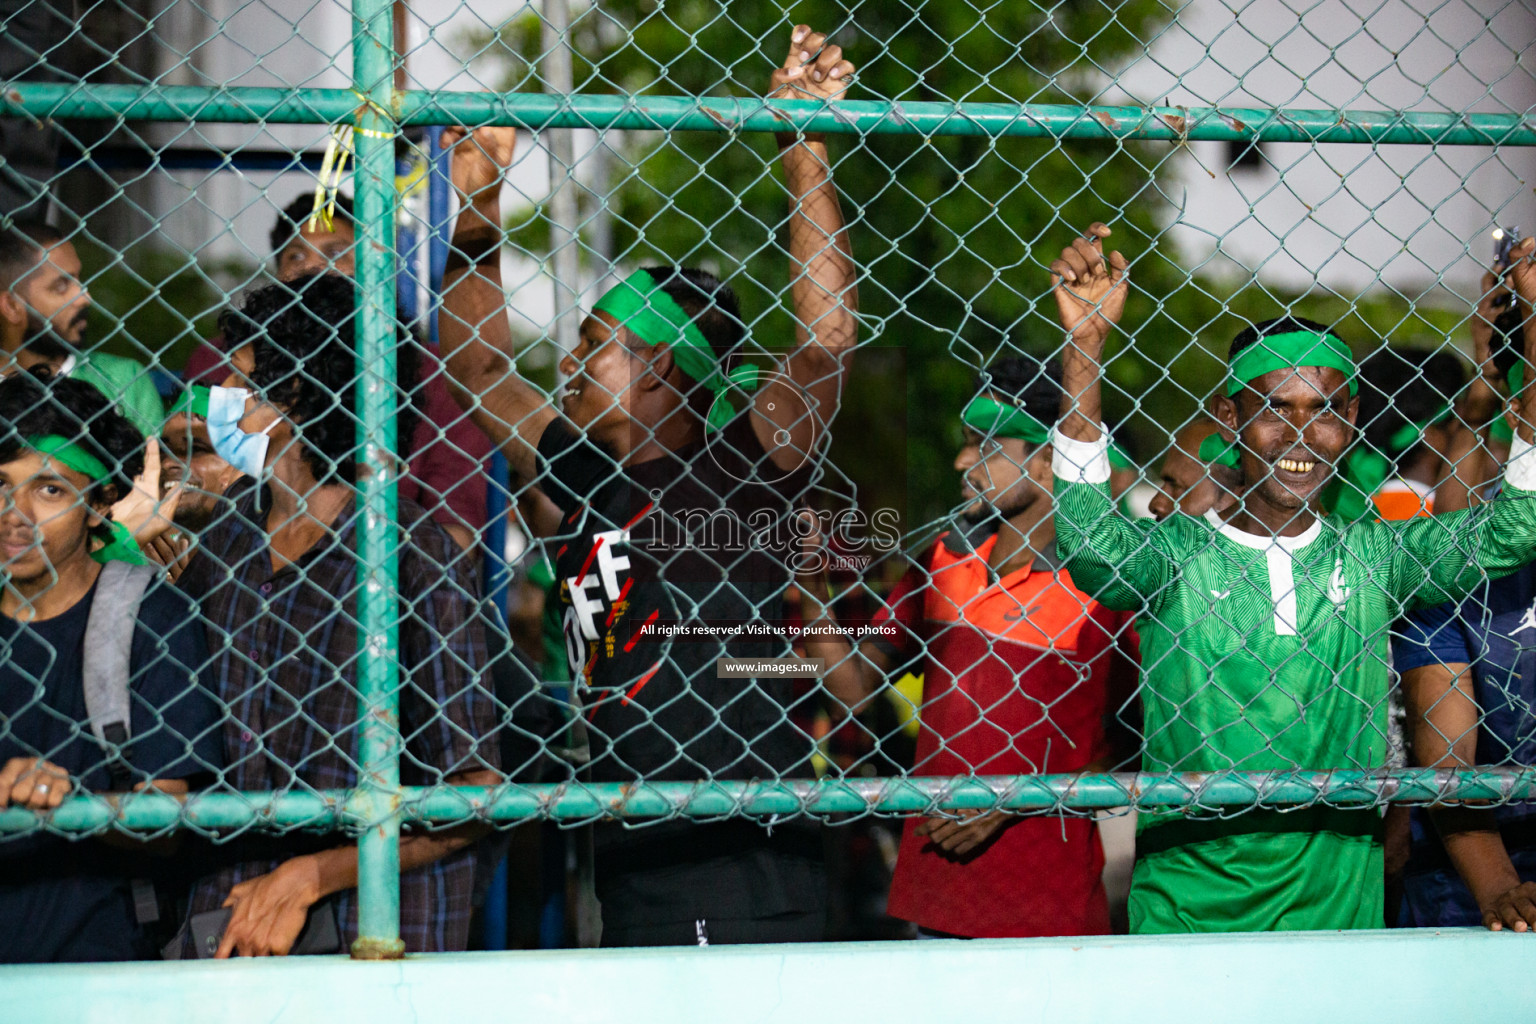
[121,548]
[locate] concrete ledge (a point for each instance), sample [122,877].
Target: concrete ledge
[1399,976]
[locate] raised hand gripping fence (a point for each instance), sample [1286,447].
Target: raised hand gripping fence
[988,141]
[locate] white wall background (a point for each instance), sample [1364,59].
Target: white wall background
[1346,217]
[227,215]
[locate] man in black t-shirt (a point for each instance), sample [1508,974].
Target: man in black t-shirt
[675,547]
[65,456]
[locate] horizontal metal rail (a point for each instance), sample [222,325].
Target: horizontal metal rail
[250,105]
[638,801]
[117,157]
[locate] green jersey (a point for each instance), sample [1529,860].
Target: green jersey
[1262,653]
[127,385]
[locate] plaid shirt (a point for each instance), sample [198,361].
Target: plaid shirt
[285,647]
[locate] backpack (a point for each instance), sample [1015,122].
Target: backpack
[108,655]
[107,670]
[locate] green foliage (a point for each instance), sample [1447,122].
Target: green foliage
[151,302]
[952,234]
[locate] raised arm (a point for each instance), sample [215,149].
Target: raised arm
[1090,292]
[823,278]
[1472,465]
[474,335]
[1108,556]
[1443,558]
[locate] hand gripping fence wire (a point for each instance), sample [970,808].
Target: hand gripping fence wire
[382,109]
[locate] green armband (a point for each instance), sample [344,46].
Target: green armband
[122,548]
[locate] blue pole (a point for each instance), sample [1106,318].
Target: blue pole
[439,189]
[407,279]
[495,914]
[497,572]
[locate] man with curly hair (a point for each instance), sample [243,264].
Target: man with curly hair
[277,580]
[446,453]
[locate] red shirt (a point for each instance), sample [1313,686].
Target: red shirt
[1017,680]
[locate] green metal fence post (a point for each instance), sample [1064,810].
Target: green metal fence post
[378,796]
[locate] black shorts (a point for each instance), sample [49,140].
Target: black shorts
[713,884]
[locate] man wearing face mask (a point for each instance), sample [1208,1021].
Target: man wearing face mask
[200,477]
[43,319]
[277,582]
[1264,639]
[446,454]
[1023,673]
[206,476]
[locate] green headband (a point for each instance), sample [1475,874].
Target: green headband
[1219,450]
[1295,348]
[1409,434]
[989,417]
[653,316]
[71,455]
[1516,378]
[193,401]
[1366,469]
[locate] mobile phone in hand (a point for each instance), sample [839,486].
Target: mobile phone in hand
[320,934]
[1504,240]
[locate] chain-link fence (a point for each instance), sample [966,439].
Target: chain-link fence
[739,429]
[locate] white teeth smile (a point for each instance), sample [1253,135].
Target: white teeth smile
[1295,466]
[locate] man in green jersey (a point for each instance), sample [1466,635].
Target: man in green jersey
[1263,639]
[44,315]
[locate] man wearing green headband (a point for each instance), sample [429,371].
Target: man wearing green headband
[1406,428]
[200,477]
[1190,482]
[65,456]
[1264,639]
[664,426]
[1022,672]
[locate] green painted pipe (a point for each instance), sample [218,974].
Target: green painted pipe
[576,801]
[378,605]
[849,117]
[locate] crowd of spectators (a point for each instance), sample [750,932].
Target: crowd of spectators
[1323,528]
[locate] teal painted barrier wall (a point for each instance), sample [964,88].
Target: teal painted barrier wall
[1405,977]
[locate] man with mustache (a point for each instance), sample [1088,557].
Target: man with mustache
[44,313]
[1264,639]
[1021,672]
[663,421]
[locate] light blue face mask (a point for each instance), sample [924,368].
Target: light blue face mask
[246,452]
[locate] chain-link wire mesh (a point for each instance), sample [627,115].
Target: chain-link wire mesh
[740,424]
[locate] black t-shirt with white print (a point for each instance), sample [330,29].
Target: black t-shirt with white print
[663,568]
